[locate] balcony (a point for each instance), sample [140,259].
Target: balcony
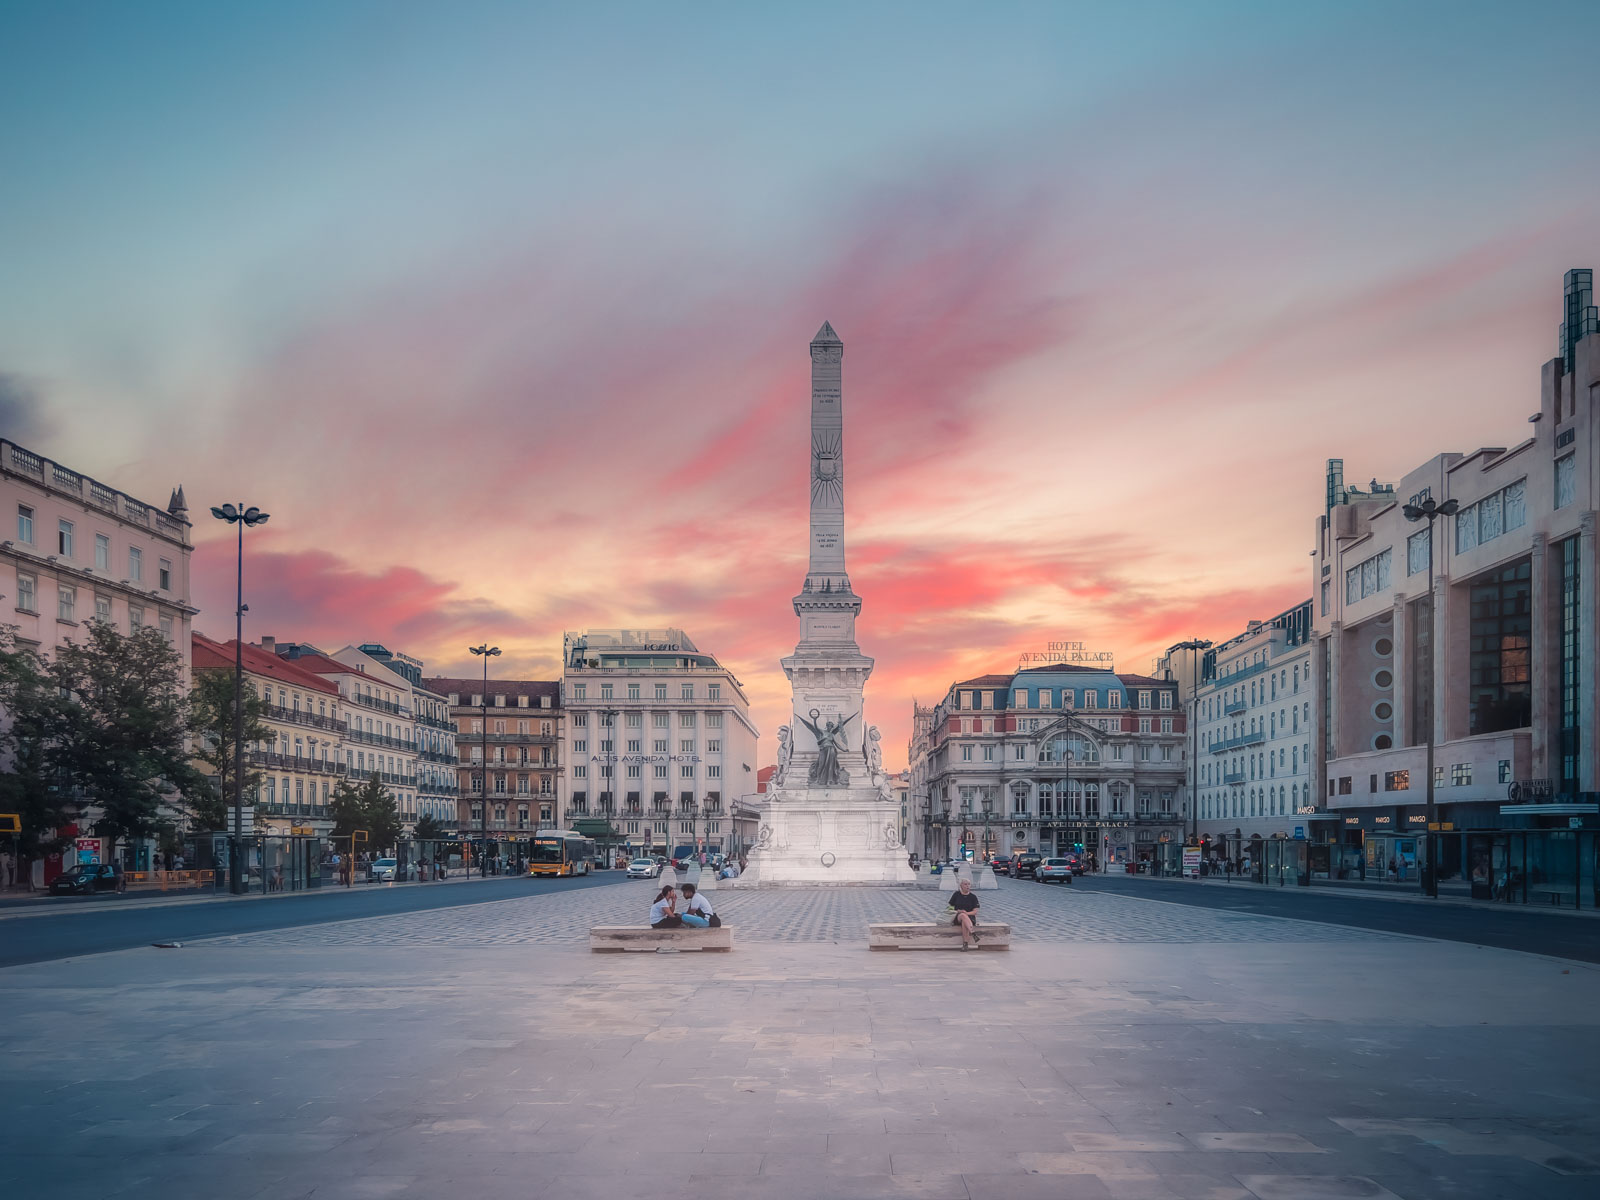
[1234,777]
[292,762]
[381,705]
[1235,707]
[1244,739]
[444,723]
[378,739]
[298,716]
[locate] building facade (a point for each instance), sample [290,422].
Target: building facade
[1252,775]
[509,769]
[1496,663]
[77,550]
[659,738]
[438,785]
[301,758]
[1055,759]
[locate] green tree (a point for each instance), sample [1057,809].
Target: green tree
[29,717]
[122,735]
[428,828]
[371,807]
[211,721]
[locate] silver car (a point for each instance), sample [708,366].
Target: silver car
[383,870]
[1054,870]
[643,868]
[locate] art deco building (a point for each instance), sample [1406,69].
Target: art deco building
[658,737]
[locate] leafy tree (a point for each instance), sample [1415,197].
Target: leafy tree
[371,807]
[121,738]
[428,828]
[29,717]
[211,721]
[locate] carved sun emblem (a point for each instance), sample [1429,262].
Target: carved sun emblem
[827,469]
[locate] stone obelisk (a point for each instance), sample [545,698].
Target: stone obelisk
[830,816]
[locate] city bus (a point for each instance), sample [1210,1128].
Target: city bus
[560,852]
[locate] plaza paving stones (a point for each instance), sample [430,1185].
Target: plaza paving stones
[1124,1048]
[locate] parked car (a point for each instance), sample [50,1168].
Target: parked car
[85,879]
[643,868]
[383,870]
[1077,863]
[1053,870]
[1026,865]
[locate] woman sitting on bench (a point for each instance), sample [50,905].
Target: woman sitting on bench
[697,911]
[663,913]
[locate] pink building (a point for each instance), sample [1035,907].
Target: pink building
[76,550]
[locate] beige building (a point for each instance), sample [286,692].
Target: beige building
[76,550]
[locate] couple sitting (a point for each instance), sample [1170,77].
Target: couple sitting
[696,914]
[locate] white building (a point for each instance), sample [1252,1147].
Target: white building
[658,738]
[1253,704]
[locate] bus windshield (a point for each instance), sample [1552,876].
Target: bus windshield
[545,852]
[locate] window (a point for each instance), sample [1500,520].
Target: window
[660,771]
[713,720]
[966,754]
[1021,753]
[686,771]
[1570,598]
[135,617]
[164,572]
[686,720]
[580,691]
[714,691]
[1113,700]
[1090,699]
[580,771]
[713,772]
[688,691]
[1566,481]
[1500,650]
[1327,590]
[102,552]
[24,524]
[1418,547]
[64,538]
[580,720]
[661,691]
[633,691]
[1460,774]
[1166,724]
[1144,724]
[102,609]
[1367,578]
[714,746]
[662,720]
[659,746]
[67,603]
[605,691]
[26,600]
[580,746]
[686,746]
[1396,781]
[135,564]
[1505,770]
[1166,700]
[988,754]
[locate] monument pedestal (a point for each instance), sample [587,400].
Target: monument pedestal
[828,836]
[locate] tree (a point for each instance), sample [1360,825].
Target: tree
[428,828]
[121,739]
[29,719]
[211,721]
[371,807]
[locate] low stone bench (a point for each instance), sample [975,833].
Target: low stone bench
[642,937]
[923,936]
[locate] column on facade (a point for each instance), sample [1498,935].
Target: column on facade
[1400,662]
[1452,659]
[1588,711]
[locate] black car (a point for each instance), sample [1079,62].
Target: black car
[85,879]
[1026,865]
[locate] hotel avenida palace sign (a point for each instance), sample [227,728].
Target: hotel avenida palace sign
[1075,654]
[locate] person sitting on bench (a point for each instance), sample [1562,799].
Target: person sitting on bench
[697,911]
[966,906]
[663,913]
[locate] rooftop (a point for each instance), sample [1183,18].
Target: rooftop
[210,655]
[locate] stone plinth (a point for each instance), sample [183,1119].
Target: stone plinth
[828,836]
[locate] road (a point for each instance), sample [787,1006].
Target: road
[1561,934]
[69,934]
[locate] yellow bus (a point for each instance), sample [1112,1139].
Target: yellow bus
[560,852]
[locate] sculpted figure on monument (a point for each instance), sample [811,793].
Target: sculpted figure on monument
[785,750]
[873,750]
[826,771]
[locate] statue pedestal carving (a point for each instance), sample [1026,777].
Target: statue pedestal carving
[828,836]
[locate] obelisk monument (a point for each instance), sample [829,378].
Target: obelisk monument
[830,815]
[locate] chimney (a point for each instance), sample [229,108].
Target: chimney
[269,644]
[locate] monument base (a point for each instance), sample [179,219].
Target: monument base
[828,837]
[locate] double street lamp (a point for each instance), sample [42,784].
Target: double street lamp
[1430,510]
[487,652]
[241,516]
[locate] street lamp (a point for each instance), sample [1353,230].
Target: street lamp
[1430,511]
[241,516]
[487,652]
[607,797]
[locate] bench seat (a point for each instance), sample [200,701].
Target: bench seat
[642,937]
[928,936]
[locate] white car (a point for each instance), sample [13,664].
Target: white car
[643,868]
[383,870]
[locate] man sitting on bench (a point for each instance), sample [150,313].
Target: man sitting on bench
[966,909]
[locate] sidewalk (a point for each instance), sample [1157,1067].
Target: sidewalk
[1360,890]
[18,904]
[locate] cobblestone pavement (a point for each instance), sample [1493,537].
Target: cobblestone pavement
[1036,912]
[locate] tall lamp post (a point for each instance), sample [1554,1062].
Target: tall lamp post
[608,797]
[1430,511]
[486,652]
[241,516]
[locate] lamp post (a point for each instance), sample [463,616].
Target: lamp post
[1430,511]
[241,516]
[486,652]
[609,716]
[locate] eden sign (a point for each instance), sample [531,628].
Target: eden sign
[1068,652]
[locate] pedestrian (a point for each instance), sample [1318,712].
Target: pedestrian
[697,910]
[964,904]
[663,913]
[8,870]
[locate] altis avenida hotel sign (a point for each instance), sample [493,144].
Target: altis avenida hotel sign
[1071,654]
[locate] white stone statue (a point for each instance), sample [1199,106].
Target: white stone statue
[785,751]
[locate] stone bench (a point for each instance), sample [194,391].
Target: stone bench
[945,936]
[642,937]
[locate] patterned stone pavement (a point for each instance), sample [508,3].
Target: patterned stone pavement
[1036,912]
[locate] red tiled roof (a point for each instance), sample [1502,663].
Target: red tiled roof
[444,685]
[210,656]
[764,777]
[1147,681]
